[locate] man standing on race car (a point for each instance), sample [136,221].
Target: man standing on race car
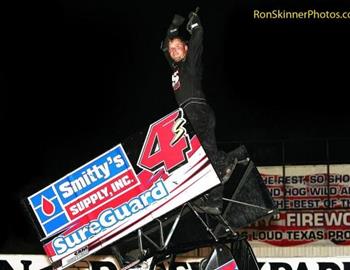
[185,59]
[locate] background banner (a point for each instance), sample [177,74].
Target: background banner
[313,202]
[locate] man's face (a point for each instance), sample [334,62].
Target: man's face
[177,50]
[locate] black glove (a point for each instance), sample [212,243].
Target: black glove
[177,20]
[193,13]
[192,19]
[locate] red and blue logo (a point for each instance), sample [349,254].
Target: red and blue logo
[49,210]
[83,190]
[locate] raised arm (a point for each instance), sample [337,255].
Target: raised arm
[194,26]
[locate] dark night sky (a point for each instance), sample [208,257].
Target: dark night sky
[77,77]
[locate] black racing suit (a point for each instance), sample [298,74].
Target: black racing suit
[187,86]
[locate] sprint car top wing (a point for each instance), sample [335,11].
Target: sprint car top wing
[122,190]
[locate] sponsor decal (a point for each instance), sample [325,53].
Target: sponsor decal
[110,217]
[84,190]
[175,79]
[110,196]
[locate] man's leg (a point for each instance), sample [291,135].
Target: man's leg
[204,122]
[202,119]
